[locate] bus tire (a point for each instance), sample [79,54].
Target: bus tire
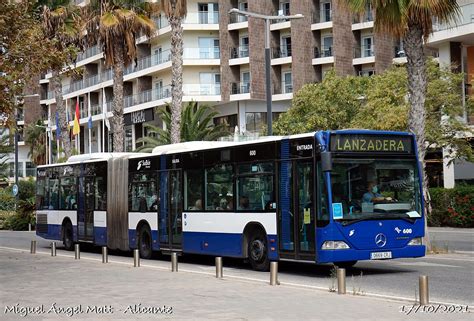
[258,251]
[68,240]
[145,242]
[345,264]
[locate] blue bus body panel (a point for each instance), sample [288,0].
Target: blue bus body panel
[360,237]
[222,244]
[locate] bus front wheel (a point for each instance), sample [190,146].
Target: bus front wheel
[258,252]
[345,264]
[67,237]
[144,242]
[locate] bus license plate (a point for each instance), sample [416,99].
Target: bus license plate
[380,255]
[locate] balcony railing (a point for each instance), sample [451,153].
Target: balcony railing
[365,17]
[149,61]
[364,51]
[239,52]
[281,52]
[240,88]
[201,53]
[202,17]
[323,52]
[286,87]
[236,18]
[399,52]
[201,89]
[89,52]
[280,20]
[465,17]
[161,22]
[320,16]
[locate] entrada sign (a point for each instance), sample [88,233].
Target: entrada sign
[371,143]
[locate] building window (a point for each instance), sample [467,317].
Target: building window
[128,138]
[287,85]
[209,48]
[30,169]
[326,14]
[208,13]
[254,122]
[368,46]
[327,46]
[284,8]
[229,121]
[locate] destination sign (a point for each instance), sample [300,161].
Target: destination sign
[371,143]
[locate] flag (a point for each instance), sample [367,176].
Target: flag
[76,129]
[89,123]
[58,129]
[104,108]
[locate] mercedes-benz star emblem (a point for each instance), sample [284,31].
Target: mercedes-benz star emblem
[380,240]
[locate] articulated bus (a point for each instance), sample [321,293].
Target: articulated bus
[324,197]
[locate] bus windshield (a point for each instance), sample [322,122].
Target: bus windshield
[368,188]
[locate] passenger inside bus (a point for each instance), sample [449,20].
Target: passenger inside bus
[244,203]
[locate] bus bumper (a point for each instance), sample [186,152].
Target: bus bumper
[329,256]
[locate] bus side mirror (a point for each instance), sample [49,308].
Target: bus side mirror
[326,161]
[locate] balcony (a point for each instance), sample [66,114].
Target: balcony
[280,23]
[239,52]
[459,30]
[202,17]
[146,96]
[284,92]
[89,52]
[321,16]
[160,22]
[149,61]
[202,89]
[323,52]
[364,52]
[240,88]
[363,21]
[281,52]
[364,55]
[237,22]
[201,53]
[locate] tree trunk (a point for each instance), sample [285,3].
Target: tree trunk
[61,109]
[417,83]
[176,77]
[117,118]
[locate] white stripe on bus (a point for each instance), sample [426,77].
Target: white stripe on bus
[227,222]
[135,217]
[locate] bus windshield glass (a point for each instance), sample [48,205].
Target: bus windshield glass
[368,188]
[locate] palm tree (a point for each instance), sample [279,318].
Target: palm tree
[5,148]
[196,125]
[115,25]
[175,11]
[61,24]
[412,20]
[36,138]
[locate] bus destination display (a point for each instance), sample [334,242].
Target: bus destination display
[371,143]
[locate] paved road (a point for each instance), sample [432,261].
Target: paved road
[451,276]
[453,239]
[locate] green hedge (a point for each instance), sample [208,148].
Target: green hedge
[452,207]
[25,213]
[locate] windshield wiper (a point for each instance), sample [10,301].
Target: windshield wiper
[379,217]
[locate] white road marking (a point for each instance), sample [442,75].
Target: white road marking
[425,264]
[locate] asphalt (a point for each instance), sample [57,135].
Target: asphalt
[61,287]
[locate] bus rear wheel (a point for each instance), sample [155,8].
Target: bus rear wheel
[345,264]
[67,237]
[258,251]
[144,242]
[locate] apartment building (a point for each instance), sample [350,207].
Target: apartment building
[455,44]
[224,65]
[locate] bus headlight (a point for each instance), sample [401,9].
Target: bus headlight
[334,245]
[416,241]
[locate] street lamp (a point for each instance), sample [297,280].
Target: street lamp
[267,54]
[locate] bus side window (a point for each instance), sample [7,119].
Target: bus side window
[193,183]
[41,194]
[218,187]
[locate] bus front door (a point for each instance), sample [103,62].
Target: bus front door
[296,216]
[169,213]
[85,210]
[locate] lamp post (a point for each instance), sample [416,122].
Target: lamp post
[268,84]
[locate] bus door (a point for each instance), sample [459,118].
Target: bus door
[297,215]
[85,209]
[169,213]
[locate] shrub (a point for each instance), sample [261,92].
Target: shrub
[452,207]
[4,215]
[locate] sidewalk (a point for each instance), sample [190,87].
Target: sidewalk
[89,289]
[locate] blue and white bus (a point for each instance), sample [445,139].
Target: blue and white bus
[325,197]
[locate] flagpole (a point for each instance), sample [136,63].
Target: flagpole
[104,115]
[89,121]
